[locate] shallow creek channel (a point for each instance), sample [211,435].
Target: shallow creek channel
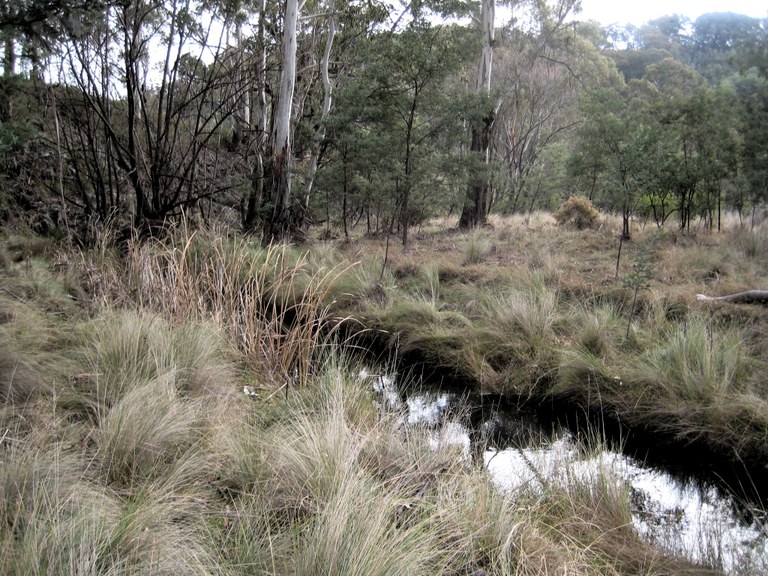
[681,514]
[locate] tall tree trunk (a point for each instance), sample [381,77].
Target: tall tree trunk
[242,115]
[327,102]
[279,222]
[251,216]
[9,69]
[131,23]
[475,211]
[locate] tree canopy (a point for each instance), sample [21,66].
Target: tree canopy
[137,113]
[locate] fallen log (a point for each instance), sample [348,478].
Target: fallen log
[748,297]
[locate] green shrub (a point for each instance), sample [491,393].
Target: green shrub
[577,211]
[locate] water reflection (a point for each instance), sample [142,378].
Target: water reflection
[683,517]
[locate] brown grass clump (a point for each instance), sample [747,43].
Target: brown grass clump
[577,211]
[274,302]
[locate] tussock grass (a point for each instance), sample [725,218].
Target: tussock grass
[694,363]
[129,447]
[147,432]
[547,314]
[321,474]
[586,377]
[31,366]
[369,283]
[124,350]
[33,283]
[57,520]
[599,329]
[752,242]
[531,315]
[19,381]
[360,539]
[28,246]
[342,489]
[706,264]
[519,334]
[476,247]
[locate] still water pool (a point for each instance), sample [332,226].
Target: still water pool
[688,517]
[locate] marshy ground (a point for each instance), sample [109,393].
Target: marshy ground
[130,447]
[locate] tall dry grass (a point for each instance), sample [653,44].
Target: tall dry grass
[274,302]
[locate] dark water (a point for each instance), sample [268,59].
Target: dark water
[681,514]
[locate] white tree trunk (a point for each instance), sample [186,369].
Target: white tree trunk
[280,224]
[287,78]
[255,198]
[475,209]
[487,16]
[327,102]
[261,80]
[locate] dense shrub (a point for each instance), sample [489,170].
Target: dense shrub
[577,211]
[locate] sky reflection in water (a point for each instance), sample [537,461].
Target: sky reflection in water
[681,517]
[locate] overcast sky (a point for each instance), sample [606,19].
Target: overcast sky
[639,12]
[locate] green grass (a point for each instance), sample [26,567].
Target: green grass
[695,363]
[476,247]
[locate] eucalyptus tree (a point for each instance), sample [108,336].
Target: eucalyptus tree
[612,158]
[699,123]
[475,209]
[390,130]
[752,50]
[355,180]
[315,39]
[668,140]
[259,120]
[752,93]
[328,88]
[331,66]
[341,27]
[277,220]
[715,42]
[548,19]
[543,80]
[702,126]
[38,25]
[408,80]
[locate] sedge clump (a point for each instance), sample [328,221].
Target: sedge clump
[577,211]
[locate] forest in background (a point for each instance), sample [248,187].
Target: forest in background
[372,115]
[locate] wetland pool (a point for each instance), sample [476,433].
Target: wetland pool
[680,513]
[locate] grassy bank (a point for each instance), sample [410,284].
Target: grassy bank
[186,406]
[538,312]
